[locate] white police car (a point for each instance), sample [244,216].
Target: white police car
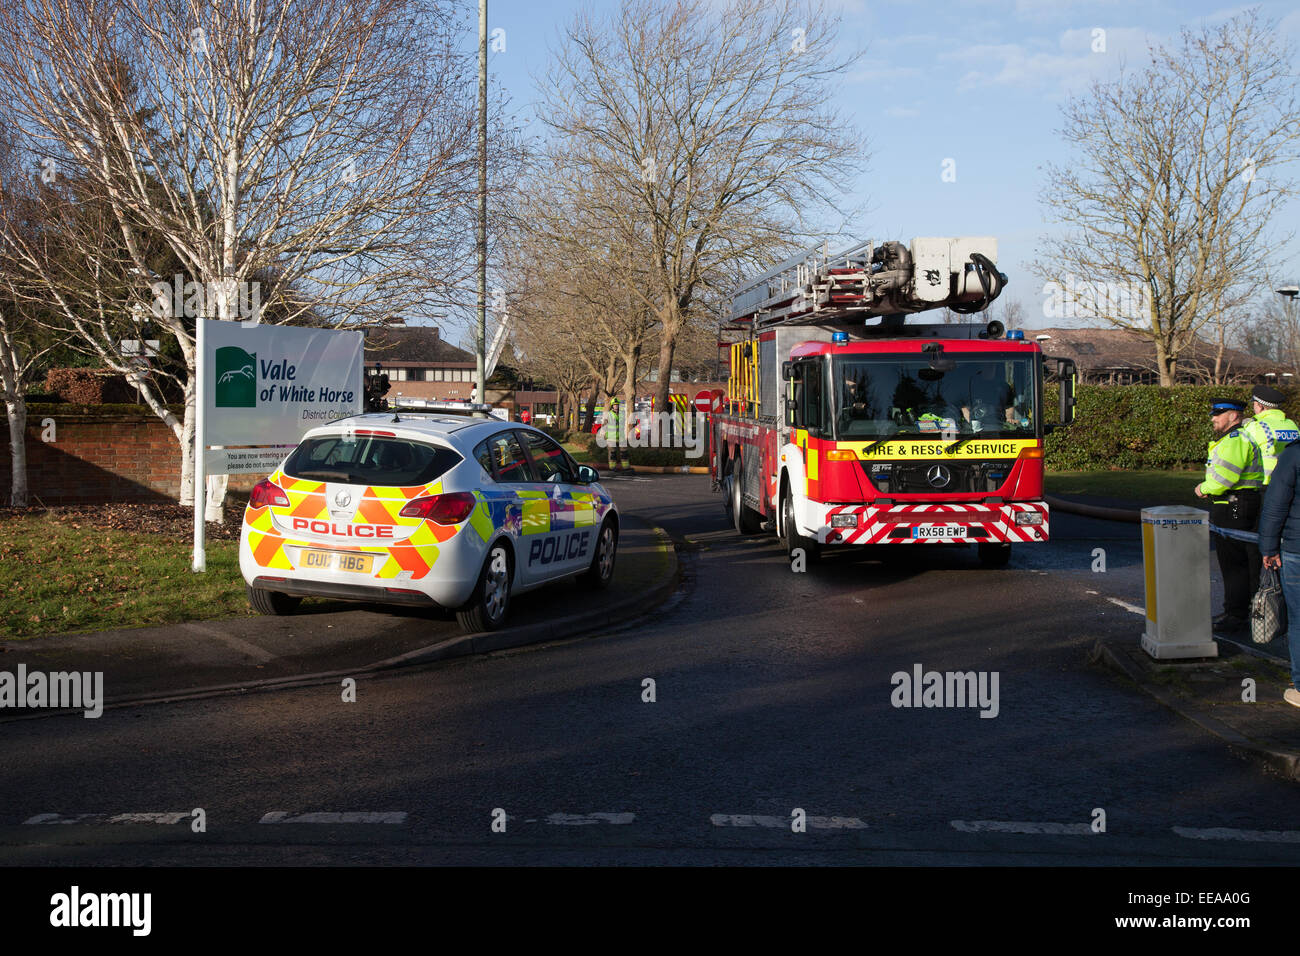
[404,508]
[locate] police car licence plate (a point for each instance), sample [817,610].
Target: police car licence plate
[939,531]
[334,560]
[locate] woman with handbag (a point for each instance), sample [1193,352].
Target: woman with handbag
[1279,543]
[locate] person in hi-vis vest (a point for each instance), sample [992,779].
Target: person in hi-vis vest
[1271,430]
[1234,476]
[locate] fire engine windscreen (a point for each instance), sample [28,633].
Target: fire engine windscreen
[882,395]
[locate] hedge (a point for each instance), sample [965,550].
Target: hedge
[1124,427]
[88,386]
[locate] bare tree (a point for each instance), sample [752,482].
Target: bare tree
[1272,331]
[1178,169]
[700,136]
[326,144]
[24,340]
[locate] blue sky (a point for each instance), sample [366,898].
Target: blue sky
[980,82]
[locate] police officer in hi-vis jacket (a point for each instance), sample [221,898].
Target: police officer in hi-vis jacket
[1234,476]
[1270,429]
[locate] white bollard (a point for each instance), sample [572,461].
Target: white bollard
[1176,556]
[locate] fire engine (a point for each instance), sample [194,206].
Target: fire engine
[845,424]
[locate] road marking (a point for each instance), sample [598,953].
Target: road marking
[1249,836]
[252,650]
[1126,606]
[283,816]
[1014,826]
[622,478]
[783,823]
[585,819]
[97,819]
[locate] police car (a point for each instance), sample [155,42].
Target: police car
[439,510]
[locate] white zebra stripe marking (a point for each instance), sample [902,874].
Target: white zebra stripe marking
[283,816]
[783,823]
[1015,826]
[1249,836]
[586,819]
[97,819]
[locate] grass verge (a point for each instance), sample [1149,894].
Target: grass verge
[1147,488]
[61,575]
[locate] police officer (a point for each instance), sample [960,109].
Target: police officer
[1234,475]
[1270,429]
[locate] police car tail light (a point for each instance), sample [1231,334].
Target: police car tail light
[266,492]
[441,509]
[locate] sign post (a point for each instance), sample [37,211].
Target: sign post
[200,562]
[259,388]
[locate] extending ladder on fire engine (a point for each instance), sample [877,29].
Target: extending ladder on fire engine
[869,279]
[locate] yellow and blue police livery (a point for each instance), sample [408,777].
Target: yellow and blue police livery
[404,508]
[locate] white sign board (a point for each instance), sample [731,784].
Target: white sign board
[244,461]
[268,384]
[264,385]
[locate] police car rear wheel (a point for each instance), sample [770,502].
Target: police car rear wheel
[487,609]
[994,555]
[272,602]
[601,572]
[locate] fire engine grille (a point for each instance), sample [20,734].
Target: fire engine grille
[930,476]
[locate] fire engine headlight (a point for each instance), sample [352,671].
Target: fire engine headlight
[1028,517]
[844,521]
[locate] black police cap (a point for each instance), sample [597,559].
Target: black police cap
[1226,405]
[1267,395]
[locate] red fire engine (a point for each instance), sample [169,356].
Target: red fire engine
[845,424]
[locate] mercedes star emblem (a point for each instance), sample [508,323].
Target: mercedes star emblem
[938,476]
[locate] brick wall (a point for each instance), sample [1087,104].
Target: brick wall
[100,453]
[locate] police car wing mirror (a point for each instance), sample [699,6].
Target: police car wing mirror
[587,475]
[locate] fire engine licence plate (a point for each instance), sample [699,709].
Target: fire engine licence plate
[334,560]
[939,531]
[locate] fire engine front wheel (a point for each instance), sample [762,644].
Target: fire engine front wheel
[791,537]
[994,555]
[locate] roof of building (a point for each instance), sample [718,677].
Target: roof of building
[412,344]
[1122,350]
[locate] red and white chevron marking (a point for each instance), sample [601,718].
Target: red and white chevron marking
[986,522]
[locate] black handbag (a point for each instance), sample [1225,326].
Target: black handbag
[1268,608]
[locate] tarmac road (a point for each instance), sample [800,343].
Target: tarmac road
[774,692]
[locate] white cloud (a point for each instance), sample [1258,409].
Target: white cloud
[901,112]
[882,73]
[1034,64]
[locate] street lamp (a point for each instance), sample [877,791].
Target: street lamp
[1290,291]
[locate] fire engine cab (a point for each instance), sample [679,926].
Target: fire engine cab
[845,424]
